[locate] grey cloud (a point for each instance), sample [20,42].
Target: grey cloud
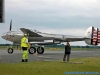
[69,8]
[53,14]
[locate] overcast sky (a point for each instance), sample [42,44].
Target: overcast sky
[69,17]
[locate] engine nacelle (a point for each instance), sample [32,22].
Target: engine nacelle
[46,42]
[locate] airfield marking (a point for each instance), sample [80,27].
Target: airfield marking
[43,57]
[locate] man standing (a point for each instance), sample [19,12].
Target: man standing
[24,46]
[67,52]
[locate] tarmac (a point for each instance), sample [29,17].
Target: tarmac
[49,55]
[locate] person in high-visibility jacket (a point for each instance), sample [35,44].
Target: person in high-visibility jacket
[25,46]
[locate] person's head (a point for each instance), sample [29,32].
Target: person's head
[68,44]
[25,35]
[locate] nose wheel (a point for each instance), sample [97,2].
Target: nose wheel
[10,50]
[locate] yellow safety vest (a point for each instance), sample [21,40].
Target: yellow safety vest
[23,42]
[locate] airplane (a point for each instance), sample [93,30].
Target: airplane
[91,37]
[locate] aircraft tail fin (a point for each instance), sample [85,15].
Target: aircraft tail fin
[94,34]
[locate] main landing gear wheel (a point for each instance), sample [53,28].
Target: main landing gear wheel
[10,50]
[40,50]
[32,50]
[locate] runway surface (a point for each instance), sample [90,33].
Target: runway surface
[48,55]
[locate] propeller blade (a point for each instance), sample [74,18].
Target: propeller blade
[10,25]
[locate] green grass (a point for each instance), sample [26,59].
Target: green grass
[51,68]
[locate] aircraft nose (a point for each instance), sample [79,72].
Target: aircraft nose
[3,36]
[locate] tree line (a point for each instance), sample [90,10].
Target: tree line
[61,45]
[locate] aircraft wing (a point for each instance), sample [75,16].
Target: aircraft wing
[30,32]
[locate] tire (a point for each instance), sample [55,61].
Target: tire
[32,50]
[10,50]
[40,50]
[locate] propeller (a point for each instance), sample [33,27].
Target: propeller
[10,25]
[9,29]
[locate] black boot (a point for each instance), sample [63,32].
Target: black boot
[26,60]
[23,60]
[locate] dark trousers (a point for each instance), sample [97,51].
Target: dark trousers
[68,57]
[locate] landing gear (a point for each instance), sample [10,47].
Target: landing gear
[10,50]
[32,50]
[40,50]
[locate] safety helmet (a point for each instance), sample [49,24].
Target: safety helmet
[25,34]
